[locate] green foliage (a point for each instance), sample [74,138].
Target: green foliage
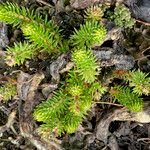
[86,64]
[53,107]
[71,121]
[69,105]
[126,97]
[46,39]
[97,90]
[90,34]
[67,108]
[130,96]
[42,34]
[95,12]
[16,55]
[45,35]
[139,81]
[122,16]
[14,14]
[7,91]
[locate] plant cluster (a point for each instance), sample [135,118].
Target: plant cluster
[95,12]
[68,106]
[66,109]
[42,36]
[127,98]
[19,53]
[70,103]
[139,83]
[122,16]
[89,34]
[7,91]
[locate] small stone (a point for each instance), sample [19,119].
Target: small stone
[123,62]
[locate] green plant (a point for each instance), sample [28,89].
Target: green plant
[44,35]
[67,108]
[130,96]
[7,91]
[95,12]
[90,34]
[126,97]
[16,55]
[122,16]
[139,81]
[86,64]
[69,104]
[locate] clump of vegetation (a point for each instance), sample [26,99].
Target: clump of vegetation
[85,64]
[139,81]
[127,98]
[69,105]
[90,34]
[66,109]
[43,34]
[122,16]
[71,102]
[7,91]
[95,12]
[19,53]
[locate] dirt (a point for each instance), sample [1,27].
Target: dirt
[107,126]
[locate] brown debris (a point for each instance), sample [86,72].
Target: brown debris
[123,114]
[27,88]
[82,4]
[10,122]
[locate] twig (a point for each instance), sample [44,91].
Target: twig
[145,23]
[144,140]
[9,123]
[108,103]
[105,147]
[5,110]
[13,129]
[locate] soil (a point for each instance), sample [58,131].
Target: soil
[108,125]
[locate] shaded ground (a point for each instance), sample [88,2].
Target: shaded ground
[107,126]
